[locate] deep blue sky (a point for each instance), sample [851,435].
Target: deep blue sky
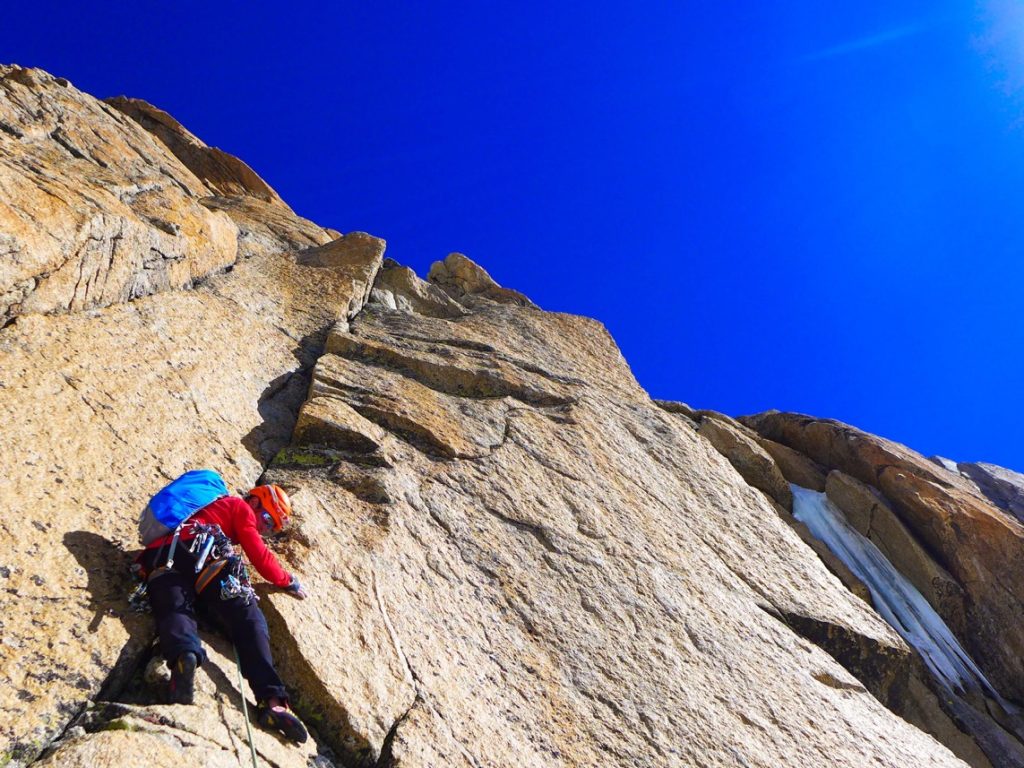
[805,206]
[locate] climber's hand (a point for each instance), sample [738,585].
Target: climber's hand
[295,589]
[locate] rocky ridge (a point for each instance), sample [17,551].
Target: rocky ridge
[515,557]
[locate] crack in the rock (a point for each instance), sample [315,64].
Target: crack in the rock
[537,531]
[385,760]
[61,138]
[445,378]
[489,352]
[11,130]
[96,411]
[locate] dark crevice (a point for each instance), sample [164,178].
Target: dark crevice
[899,679]
[538,532]
[877,665]
[58,136]
[406,429]
[386,759]
[318,706]
[473,346]
[280,402]
[487,349]
[11,130]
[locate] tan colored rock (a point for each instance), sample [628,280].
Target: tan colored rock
[265,228]
[356,255]
[223,174]
[93,210]
[868,511]
[102,409]
[209,734]
[749,459]
[833,563]
[977,543]
[795,467]
[526,563]
[463,279]
[398,287]
[328,420]
[674,406]
[445,424]
[1003,487]
[561,599]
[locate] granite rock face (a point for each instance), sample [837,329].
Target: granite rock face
[752,461]
[221,173]
[538,566]
[1003,487]
[93,209]
[514,556]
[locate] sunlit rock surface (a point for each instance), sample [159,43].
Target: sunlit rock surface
[93,209]
[538,566]
[514,556]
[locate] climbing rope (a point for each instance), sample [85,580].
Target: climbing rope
[245,708]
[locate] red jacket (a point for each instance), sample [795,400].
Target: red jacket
[238,521]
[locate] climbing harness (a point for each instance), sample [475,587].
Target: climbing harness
[234,586]
[217,559]
[245,708]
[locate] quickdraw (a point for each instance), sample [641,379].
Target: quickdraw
[236,583]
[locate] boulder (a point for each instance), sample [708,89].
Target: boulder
[674,406]
[398,287]
[465,280]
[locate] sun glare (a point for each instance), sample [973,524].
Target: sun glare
[1001,40]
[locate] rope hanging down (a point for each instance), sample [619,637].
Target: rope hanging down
[245,708]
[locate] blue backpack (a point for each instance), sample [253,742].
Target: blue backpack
[178,501]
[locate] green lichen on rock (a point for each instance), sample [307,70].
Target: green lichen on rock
[118,725]
[302,457]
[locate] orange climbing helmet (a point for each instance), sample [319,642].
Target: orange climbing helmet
[274,505]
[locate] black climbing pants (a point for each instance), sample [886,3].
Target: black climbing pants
[174,600]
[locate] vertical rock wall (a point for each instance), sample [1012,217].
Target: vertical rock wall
[514,557]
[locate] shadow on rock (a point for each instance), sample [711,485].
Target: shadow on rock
[279,403]
[107,567]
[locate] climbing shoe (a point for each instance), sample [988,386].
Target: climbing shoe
[281,720]
[183,678]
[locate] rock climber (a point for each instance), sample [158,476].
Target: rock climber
[219,588]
